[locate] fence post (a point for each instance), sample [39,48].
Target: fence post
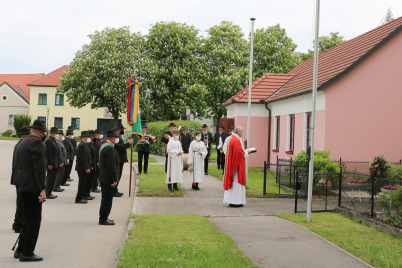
[297,186]
[277,168]
[372,195]
[340,184]
[290,174]
[265,178]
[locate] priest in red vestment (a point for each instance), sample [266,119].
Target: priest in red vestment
[235,180]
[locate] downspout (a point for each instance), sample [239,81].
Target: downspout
[269,133]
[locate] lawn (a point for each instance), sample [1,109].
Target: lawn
[135,157]
[255,182]
[9,138]
[367,243]
[154,183]
[179,241]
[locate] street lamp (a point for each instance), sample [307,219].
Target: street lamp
[47,121]
[147,94]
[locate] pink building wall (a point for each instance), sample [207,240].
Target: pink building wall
[364,108]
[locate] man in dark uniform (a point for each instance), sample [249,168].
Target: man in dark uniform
[70,156]
[94,162]
[30,181]
[185,140]
[166,141]
[74,143]
[108,176]
[97,141]
[83,166]
[52,156]
[206,137]
[220,137]
[62,159]
[19,218]
[143,150]
[121,148]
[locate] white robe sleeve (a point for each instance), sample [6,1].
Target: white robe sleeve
[225,145]
[204,150]
[190,153]
[171,149]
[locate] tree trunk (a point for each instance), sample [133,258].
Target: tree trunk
[115,121]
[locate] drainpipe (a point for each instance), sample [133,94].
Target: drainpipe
[269,134]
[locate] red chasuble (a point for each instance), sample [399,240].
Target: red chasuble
[234,161]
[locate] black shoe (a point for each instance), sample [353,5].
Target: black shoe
[69,180]
[235,206]
[110,220]
[146,172]
[58,190]
[34,257]
[118,194]
[50,196]
[65,184]
[96,190]
[193,187]
[89,198]
[82,201]
[16,254]
[206,173]
[219,168]
[170,190]
[106,222]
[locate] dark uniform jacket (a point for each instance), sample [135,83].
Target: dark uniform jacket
[52,152]
[164,140]
[83,161]
[224,135]
[91,146]
[69,149]
[31,165]
[109,165]
[97,143]
[63,152]
[185,141]
[121,148]
[14,165]
[210,140]
[145,147]
[74,143]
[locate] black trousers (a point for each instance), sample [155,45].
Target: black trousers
[71,166]
[166,163]
[82,182]
[59,177]
[67,172]
[121,172]
[19,216]
[220,160]
[50,180]
[206,160]
[88,184]
[146,157]
[106,202]
[95,179]
[32,210]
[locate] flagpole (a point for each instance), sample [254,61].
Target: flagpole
[131,166]
[250,81]
[313,109]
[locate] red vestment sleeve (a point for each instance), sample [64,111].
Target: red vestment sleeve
[234,161]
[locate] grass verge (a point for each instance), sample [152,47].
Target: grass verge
[135,157]
[9,138]
[255,182]
[179,241]
[154,183]
[367,243]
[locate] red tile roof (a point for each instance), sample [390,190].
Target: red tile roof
[51,79]
[20,81]
[262,88]
[337,61]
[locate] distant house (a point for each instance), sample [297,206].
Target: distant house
[15,97]
[54,109]
[359,110]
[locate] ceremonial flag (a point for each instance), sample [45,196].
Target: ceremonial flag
[133,111]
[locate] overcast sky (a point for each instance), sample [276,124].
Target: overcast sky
[40,36]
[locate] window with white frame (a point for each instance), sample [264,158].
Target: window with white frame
[291,133]
[11,119]
[277,132]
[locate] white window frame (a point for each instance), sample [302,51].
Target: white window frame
[8,121]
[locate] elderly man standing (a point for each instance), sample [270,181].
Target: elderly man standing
[83,166]
[52,156]
[121,148]
[63,161]
[235,180]
[30,179]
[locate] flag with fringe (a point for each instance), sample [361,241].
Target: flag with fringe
[133,111]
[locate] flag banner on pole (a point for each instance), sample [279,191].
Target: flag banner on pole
[133,111]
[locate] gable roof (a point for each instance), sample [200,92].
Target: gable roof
[19,82]
[18,91]
[262,88]
[52,79]
[337,61]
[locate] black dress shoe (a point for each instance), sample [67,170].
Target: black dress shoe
[118,194]
[106,222]
[235,206]
[69,180]
[110,220]
[96,190]
[51,196]
[65,184]
[206,173]
[34,257]
[146,173]
[82,201]
[170,190]
[16,254]
[89,197]
[58,190]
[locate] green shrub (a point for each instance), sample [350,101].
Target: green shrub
[9,133]
[394,172]
[392,205]
[21,120]
[378,172]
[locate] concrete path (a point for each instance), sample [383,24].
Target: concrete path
[70,235]
[267,240]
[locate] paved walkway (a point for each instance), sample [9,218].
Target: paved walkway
[267,240]
[70,235]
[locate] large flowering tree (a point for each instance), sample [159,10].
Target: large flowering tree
[96,76]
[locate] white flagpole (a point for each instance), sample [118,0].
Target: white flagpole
[250,81]
[313,108]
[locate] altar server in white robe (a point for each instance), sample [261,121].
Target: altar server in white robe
[174,173]
[196,155]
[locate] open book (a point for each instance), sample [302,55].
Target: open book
[252,150]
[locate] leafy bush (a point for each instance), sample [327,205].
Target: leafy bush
[394,172]
[9,133]
[21,120]
[378,172]
[392,205]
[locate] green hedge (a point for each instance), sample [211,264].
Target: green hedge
[158,128]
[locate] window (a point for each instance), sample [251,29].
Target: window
[42,99]
[11,119]
[291,134]
[75,122]
[59,100]
[58,122]
[308,126]
[4,98]
[277,132]
[42,118]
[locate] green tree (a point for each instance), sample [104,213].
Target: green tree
[388,16]
[225,57]
[324,42]
[21,120]
[173,72]
[96,76]
[274,51]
